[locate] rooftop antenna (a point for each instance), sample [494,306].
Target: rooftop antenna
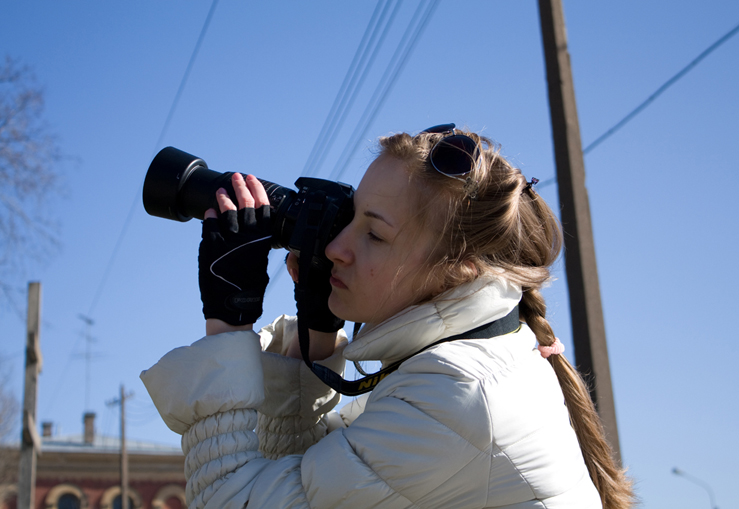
[89,322]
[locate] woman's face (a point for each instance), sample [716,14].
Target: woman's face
[378,258]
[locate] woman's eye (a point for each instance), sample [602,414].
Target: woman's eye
[373,237]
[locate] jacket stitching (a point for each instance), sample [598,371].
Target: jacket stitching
[486,453]
[523,477]
[377,475]
[477,382]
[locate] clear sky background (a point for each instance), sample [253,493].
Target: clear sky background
[662,189]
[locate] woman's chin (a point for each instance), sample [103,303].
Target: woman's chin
[345,312]
[336,307]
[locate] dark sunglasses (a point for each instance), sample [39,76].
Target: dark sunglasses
[454,155]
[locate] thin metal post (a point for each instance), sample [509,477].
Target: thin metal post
[124,453]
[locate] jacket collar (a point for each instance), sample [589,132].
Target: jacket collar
[460,309]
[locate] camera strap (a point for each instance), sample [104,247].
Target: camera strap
[506,325]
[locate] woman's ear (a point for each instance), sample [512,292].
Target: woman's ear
[452,275]
[464,271]
[471,268]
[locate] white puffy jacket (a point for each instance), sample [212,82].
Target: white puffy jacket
[465,424]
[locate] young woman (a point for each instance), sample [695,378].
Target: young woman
[447,240]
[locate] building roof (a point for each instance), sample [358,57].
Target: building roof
[104,444]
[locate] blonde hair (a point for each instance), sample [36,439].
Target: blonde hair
[492,222]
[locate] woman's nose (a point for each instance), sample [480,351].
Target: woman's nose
[338,249]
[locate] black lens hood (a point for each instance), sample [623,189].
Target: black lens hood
[167,173]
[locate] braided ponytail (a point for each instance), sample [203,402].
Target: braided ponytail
[609,479]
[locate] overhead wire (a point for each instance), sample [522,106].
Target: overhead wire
[410,38]
[392,72]
[667,84]
[348,92]
[362,62]
[142,414]
[137,197]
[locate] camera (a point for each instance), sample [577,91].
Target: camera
[179,186]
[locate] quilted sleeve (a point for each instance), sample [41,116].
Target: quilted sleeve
[294,413]
[208,392]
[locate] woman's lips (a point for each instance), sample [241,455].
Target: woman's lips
[338,283]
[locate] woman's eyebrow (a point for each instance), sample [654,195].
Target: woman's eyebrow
[375,215]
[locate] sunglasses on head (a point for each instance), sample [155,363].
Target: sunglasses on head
[454,155]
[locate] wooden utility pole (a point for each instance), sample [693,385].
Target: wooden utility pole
[588,329]
[30,440]
[124,452]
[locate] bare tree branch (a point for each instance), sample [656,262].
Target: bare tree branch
[29,176]
[9,421]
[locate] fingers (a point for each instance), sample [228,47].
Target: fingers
[224,201]
[243,194]
[257,191]
[249,193]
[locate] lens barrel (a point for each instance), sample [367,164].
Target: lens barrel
[179,186]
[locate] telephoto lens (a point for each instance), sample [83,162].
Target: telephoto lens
[179,186]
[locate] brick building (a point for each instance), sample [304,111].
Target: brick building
[83,472]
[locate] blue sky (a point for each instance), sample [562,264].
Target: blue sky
[661,189]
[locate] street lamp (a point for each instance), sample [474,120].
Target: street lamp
[697,481]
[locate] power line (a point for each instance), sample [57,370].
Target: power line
[359,54]
[661,89]
[137,197]
[351,85]
[183,82]
[347,95]
[135,202]
[392,72]
[667,84]
[58,386]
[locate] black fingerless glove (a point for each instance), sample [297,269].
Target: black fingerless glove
[232,265]
[311,297]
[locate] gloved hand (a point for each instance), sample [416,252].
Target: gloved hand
[311,297]
[232,263]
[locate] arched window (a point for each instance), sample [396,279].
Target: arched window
[69,501]
[66,496]
[118,505]
[171,496]
[174,503]
[111,498]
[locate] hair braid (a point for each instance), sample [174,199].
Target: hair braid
[613,486]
